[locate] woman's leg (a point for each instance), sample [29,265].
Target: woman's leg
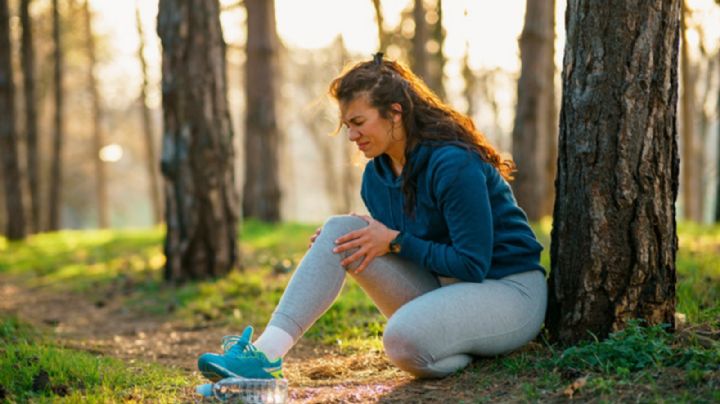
[436,334]
[389,281]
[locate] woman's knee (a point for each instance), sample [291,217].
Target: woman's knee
[336,226]
[405,349]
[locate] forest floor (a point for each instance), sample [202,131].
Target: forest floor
[320,373]
[99,294]
[317,373]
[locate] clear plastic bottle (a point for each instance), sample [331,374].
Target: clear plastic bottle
[247,391]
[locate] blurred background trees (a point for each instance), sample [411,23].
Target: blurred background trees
[31,124]
[239,90]
[261,193]
[88,101]
[56,168]
[8,133]
[535,130]
[97,130]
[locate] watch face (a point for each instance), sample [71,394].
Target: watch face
[395,244]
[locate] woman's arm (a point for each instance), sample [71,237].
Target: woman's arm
[460,187]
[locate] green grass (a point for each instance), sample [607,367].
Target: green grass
[102,264]
[34,368]
[127,265]
[698,272]
[80,260]
[637,348]
[637,364]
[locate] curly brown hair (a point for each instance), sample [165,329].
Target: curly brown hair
[425,117]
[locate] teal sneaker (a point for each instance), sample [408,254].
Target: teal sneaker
[240,359]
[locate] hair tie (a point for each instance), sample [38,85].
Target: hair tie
[377,58]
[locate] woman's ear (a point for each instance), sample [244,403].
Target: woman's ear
[396,109]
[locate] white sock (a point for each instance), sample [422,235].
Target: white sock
[274,342]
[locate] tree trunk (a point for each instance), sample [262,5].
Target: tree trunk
[261,193]
[703,180]
[436,60]
[419,40]
[28,67]
[427,58]
[691,198]
[197,156]
[535,108]
[552,127]
[98,141]
[8,136]
[470,83]
[614,233]
[382,35]
[55,197]
[148,132]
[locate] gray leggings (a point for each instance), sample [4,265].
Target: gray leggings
[434,325]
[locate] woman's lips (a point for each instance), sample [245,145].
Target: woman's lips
[363,146]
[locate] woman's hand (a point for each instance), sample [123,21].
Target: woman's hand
[314,237]
[372,241]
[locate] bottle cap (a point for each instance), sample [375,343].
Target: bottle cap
[205,390]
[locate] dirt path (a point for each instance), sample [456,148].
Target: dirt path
[315,373]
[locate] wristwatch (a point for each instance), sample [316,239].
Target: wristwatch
[396,243]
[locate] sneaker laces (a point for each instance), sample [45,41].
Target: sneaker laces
[237,343]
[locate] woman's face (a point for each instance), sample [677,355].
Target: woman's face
[373,134]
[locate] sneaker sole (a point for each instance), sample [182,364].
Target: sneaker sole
[216,372]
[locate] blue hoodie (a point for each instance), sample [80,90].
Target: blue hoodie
[466,223]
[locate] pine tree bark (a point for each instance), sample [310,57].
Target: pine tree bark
[436,57]
[690,192]
[55,197]
[28,67]
[8,135]
[97,133]
[427,57]
[535,113]
[148,132]
[261,192]
[552,127]
[614,233]
[419,40]
[197,156]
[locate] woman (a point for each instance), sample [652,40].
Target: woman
[446,254]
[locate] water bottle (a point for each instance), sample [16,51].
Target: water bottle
[247,391]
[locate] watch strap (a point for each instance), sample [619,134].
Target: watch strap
[396,243]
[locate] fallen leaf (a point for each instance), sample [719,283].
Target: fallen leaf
[575,386]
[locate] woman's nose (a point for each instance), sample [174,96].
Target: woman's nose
[353,134]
